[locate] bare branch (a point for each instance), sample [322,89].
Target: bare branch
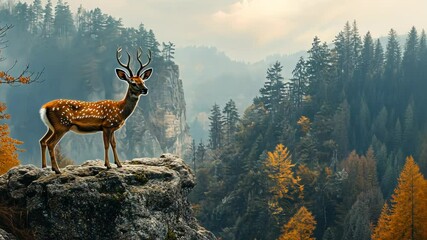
[26,76]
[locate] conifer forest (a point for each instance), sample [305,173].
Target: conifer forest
[336,151]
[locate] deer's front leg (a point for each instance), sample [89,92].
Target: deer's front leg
[106,133]
[113,146]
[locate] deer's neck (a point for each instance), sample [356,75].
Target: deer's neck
[129,103]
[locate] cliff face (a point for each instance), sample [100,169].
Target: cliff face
[157,125]
[146,199]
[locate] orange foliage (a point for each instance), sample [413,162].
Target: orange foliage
[304,123]
[9,79]
[300,227]
[8,149]
[285,185]
[382,230]
[362,175]
[408,215]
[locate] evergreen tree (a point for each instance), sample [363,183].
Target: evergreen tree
[48,20]
[383,227]
[285,186]
[63,23]
[201,151]
[408,135]
[216,128]
[272,92]
[152,44]
[378,63]
[168,51]
[408,216]
[392,71]
[194,155]
[366,70]
[231,118]
[299,83]
[319,73]
[36,17]
[409,61]
[300,226]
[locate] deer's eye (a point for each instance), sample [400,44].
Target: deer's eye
[133,84]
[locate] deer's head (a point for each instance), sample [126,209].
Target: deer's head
[136,82]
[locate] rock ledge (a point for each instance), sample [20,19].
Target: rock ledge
[146,199]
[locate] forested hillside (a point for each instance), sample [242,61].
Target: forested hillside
[324,149]
[77,53]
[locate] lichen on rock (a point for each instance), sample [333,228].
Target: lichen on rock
[146,199]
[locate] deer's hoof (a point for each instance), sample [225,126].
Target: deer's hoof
[119,165]
[108,166]
[57,171]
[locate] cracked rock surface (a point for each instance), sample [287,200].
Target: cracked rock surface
[145,199]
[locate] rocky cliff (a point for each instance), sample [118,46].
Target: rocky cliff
[146,199]
[157,125]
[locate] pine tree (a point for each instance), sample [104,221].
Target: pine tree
[409,142]
[36,17]
[153,44]
[383,227]
[378,63]
[272,92]
[193,154]
[319,73]
[285,186]
[63,23]
[409,61]
[408,214]
[201,151]
[299,83]
[231,118]
[300,226]
[392,71]
[168,51]
[216,128]
[48,20]
[366,66]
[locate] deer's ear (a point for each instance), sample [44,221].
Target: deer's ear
[146,74]
[122,74]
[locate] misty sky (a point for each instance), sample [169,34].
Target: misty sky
[253,29]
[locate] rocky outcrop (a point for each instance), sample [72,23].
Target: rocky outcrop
[146,199]
[5,235]
[157,125]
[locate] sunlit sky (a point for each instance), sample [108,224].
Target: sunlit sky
[250,30]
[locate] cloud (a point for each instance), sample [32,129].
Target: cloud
[252,29]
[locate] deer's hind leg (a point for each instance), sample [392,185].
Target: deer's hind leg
[43,145]
[51,143]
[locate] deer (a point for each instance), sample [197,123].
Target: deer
[62,115]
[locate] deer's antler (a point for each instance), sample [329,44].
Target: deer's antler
[119,56]
[142,66]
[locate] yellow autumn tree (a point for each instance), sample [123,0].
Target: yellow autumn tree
[382,230]
[408,213]
[305,123]
[300,227]
[8,145]
[285,185]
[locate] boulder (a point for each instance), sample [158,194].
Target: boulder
[145,199]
